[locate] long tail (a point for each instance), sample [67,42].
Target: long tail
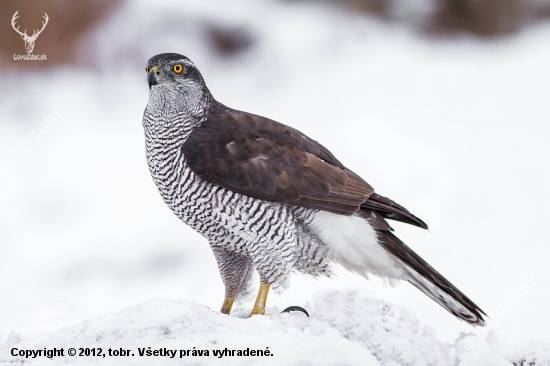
[432,283]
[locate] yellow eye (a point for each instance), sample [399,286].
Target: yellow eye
[147,69]
[177,68]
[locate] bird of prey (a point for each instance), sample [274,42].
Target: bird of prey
[270,199]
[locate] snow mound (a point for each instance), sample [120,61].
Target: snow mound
[389,332]
[345,328]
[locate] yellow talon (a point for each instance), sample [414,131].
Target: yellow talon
[259,305]
[227,304]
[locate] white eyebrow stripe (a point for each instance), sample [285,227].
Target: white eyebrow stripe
[187,63]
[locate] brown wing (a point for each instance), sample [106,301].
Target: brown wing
[267,160]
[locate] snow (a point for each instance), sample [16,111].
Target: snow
[455,130]
[344,328]
[177,324]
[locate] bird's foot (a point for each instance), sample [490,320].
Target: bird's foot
[259,304]
[227,304]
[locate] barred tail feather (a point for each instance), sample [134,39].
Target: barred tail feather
[363,244]
[424,277]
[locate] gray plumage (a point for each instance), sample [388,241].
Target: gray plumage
[270,199]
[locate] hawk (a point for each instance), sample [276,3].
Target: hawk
[270,199]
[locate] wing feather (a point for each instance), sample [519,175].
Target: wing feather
[265,159]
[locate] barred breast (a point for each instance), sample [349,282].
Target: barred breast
[274,235]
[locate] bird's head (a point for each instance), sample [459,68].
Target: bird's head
[174,76]
[167,68]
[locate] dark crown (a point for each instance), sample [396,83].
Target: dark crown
[166,58]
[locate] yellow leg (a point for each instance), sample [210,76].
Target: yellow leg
[227,304]
[259,305]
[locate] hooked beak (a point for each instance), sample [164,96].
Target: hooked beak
[153,76]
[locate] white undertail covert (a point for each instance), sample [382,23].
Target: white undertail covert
[354,244]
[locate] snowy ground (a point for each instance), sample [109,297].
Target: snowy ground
[345,328]
[455,130]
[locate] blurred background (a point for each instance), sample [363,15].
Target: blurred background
[441,105]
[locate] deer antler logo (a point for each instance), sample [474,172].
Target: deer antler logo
[29,41]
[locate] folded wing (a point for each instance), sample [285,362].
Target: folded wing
[267,160]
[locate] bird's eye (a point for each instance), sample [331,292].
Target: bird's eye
[147,69]
[177,68]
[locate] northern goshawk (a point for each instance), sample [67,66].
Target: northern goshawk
[270,199]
